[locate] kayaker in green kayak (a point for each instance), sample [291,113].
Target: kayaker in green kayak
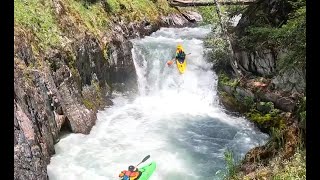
[131,174]
[134,173]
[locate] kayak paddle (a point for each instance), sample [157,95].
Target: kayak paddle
[144,159]
[170,62]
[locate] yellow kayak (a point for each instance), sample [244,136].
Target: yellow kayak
[181,66]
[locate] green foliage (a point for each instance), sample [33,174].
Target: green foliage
[290,37]
[265,107]
[209,14]
[88,103]
[292,169]
[277,136]
[267,120]
[248,102]
[230,102]
[113,6]
[302,117]
[302,104]
[37,15]
[230,171]
[135,10]
[225,80]
[302,113]
[232,10]
[145,8]
[230,162]
[92,16]
[164,7]
[220,54]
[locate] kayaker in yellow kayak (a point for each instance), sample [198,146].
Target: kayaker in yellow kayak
[180,59]
[180,54]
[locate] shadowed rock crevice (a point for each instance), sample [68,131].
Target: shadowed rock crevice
[65,128]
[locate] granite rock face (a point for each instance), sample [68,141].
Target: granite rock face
[62,89]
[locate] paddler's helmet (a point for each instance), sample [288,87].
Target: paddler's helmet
[131,168]
[179,47]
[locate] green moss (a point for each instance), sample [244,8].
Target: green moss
[88,103]
[259,118]
[302,109]
[113,6]
[209,14]
[145,7]
[265,107]
[164,7]
[266,120]
[92,16]
[220,54]
[231,102]
[137,10]
[98,94]
[223,79]
[37,15]
[97,17]
[93,99]
[248,102]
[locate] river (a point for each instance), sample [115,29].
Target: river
[174,118]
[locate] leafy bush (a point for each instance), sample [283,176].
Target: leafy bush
[290,37]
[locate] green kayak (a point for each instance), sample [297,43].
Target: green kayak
[147,171]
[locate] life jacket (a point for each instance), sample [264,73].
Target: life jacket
[128,175]
[180,56]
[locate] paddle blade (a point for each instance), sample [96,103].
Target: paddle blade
[169,63]
[144,159]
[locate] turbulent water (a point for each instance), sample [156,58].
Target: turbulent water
[175,118]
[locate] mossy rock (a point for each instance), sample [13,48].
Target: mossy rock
[231,103]
[266,121]
[265,107]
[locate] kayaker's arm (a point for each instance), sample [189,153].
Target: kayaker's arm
[121,174]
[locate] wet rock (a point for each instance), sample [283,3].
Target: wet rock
[29,161]
[174,20]
[258,62]
[254,157]
[280,102]
[122,69]
[22,49]
[291,80]
[244,93]
[192,16]
[90,61]
[227,89]
[81,119]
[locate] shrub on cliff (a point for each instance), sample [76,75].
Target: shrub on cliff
[289,36]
